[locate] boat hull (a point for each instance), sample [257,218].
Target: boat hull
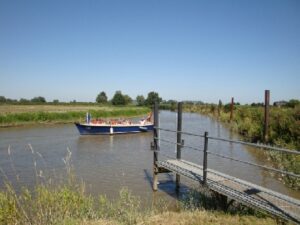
[88,129]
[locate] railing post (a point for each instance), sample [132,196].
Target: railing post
[205,157]
[155,146]
[179,141]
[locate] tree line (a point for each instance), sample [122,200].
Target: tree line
[118,99]
[38,99]
[124,99]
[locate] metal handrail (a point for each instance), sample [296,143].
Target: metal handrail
[168,141]
[163,129]
[182,145]
[182,132]
[295,152]
[236,142]
[254,164]
[233,159]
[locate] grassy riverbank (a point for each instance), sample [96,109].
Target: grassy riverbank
[248,121]
[16,115]
[64,205]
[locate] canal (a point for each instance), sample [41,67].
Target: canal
[31,154]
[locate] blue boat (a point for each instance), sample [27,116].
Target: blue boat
[113,126]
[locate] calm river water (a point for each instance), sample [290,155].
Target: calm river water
[107,163]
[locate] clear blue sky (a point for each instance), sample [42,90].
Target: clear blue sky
[184,50]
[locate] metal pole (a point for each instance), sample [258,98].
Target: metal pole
[266,125]
[155,146]
[231,109]
[179,141]
[205,157]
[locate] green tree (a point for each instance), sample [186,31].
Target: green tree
[55,101]
[24,100]
[39,99]
[140,100]
[101,98]
[220,104]
[2,99]
[227,107]
[173,104]
[128,99]
[9,100]
[292,103]
[118,99]
[152,98]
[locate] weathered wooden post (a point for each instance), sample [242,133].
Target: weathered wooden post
[179,141]
[155,146]
[205,157]
[266,125]
[219,107]
[231,109]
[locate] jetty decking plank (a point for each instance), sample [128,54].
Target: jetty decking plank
[239,190]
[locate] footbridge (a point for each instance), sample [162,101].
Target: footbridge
[226,186]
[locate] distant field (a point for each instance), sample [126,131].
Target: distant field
[16,115]
[4,109]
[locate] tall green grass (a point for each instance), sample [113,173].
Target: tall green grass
[64,205]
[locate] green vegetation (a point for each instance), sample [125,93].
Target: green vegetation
[66,205]
[12,115]
[150,100]
[168,105]
[102,98]
[140,100]
[38,100]
[118,99]
[248,121]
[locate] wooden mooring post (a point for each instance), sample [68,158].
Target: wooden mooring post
[155,146]
[266,120]
[179,141]
[231,109]
[205,158]
[219,108]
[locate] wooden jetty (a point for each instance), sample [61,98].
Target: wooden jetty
[227,187]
